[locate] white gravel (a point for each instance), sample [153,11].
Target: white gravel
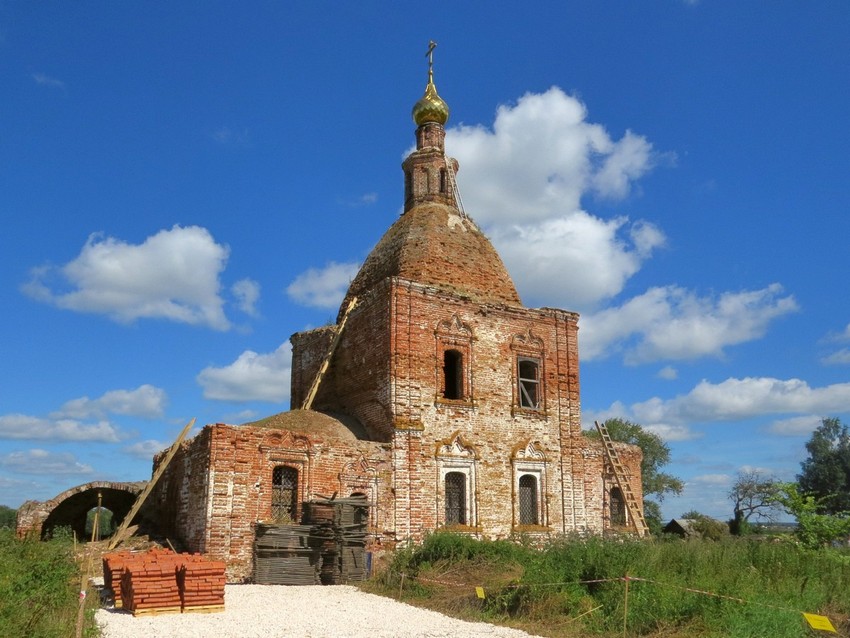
[275,611]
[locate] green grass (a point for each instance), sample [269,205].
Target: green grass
[39,589]
[576,587]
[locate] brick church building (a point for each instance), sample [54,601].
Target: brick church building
[446,403]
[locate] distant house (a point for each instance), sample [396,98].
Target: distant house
[684,527]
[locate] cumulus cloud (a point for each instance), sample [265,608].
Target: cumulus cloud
[524,181]
[322,287]
[736,399]
[668,372]
[673,323]
[26,427]
[795,426]
[38,461]
[247,293]
[252,377]
[146,401]
[172,275]
[145,449]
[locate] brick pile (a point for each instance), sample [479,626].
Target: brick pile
[160,581]
[113,570]
[201,584]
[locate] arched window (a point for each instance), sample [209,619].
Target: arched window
[452,374]
[528,500]
[455,498]
[617,507]
[284,494]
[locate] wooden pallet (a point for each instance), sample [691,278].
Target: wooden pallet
[157,611]
[203,609]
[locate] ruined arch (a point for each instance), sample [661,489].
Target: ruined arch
[70,508]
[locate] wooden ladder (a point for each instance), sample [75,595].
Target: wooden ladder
[323,368]
[635,508]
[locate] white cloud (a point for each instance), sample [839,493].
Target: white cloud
[171,275]
[247,293]
[795,426]
[525,183]
[323,287]
[146,449]
[673,432]
[837,358]
[673,323]
[668,372]
[45,80]
[736,399]
[146,401]
[712,480]
[25,427]
[252,377]
[38,461]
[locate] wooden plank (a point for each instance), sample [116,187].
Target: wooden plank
[121,532]
[323,368]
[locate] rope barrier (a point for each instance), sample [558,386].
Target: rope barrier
[811,618]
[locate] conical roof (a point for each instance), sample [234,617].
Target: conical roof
[433,244]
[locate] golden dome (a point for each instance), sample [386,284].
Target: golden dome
[431,108]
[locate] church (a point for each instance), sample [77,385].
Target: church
[437,397]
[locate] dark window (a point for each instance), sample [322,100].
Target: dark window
[455,498]
[443,188]
[529,383]
[452,374]
[617,506]
[528,500]
[284,493]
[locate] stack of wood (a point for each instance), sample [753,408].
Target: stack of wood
[284,555]
[201,584]
[149,583]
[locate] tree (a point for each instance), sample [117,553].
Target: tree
[656,454]
[753,495]
[8,516]
[826,473]
[814,528]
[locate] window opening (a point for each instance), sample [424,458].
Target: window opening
[452,374]
[442,180]
[284,494]
[617,506]
[529,383]
[528,500]
[455,498]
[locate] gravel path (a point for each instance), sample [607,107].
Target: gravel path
[270,611]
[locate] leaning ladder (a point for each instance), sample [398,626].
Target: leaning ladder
[323,368]
[635,509]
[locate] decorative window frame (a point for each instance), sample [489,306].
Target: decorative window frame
[453,334]
[362,476]
[528,346]
[456,454]
[529,459]
[282,447]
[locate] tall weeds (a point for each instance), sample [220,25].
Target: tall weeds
[39,587]
[735,587]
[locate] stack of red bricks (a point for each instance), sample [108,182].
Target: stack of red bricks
[113,570]
[149,583]
[201,584]
[160,581]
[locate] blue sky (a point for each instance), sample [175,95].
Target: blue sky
[184,185]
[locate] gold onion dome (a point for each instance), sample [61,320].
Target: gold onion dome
[431,108]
